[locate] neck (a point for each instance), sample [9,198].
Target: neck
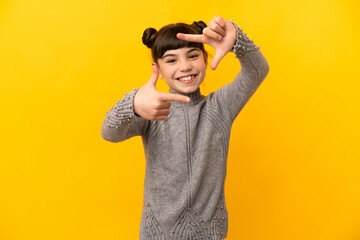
[195,97]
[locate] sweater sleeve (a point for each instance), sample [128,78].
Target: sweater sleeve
[231,98]
[121,122]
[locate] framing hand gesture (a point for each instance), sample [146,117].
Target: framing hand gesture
[219,34]
[153,105]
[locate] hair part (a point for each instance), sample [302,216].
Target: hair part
[165,39]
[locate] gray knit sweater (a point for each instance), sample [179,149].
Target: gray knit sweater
[186,154]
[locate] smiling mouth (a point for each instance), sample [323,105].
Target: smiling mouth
[188,78]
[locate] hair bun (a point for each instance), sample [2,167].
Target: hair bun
[200,25]
[149,37]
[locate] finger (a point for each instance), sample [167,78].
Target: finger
[160,118]
[157,118]
[174,97]
[163,112]
[155,75]
[211,34]
[200,38]
[221,21]
[163,104]
[216,60]
[217,28]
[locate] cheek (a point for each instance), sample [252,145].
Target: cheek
[202,67]
[169,72]
[164,72]
[201,64]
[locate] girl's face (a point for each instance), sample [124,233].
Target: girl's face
[183,69]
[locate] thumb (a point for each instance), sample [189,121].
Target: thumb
[155,75]
[216,60]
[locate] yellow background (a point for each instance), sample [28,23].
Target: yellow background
[293,170]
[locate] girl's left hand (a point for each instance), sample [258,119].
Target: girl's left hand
[219,34]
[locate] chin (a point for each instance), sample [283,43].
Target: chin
[188,90]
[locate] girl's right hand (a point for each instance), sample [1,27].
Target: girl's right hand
[153,105]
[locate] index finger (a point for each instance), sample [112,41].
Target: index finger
[200,38]
[174,97]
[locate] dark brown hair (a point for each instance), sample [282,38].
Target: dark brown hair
[165,39]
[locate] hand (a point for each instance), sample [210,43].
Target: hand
[219,34]
[153,105]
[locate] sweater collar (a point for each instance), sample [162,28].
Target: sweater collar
[195,97]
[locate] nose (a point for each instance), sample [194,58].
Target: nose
[185,66]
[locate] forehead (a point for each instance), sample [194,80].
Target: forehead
[180,51]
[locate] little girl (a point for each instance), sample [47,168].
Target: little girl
[185,134]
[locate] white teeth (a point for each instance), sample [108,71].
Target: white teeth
[188,78]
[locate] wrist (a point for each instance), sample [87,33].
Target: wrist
[242,43]
[122,112]
[135,102]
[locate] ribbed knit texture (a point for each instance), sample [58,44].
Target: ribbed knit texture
[186,154]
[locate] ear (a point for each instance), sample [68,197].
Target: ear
[158,66]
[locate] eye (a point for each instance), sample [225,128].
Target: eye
[193,55]
[171,60]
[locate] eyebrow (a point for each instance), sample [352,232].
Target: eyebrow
[173,55]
